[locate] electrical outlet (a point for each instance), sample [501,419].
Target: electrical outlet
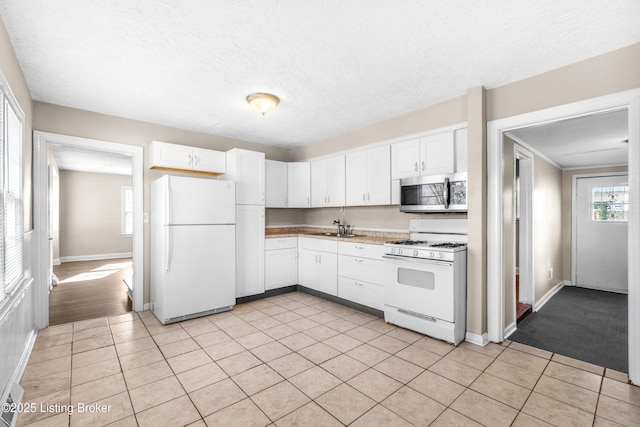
[550,273]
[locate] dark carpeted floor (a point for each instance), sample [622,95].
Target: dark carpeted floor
[581,323]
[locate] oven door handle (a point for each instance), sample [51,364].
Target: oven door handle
[417,260]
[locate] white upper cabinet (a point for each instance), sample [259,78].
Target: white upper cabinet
[368,177]
[163,155]
[461,150]
[299,185]
[437,154]
[405,159]
[247,169]
[276,184]
[328,182]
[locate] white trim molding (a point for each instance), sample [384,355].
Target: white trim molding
[95,257]
[481,340]
[546,297]
[629,100]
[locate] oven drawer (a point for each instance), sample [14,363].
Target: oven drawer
[361,292]
[361,250]
[420,286]
[362,269]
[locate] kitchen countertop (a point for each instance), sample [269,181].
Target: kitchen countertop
[371,237]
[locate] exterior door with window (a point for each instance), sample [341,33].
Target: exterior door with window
[601,232]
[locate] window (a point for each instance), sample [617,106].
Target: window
[11,216]
[127,210]
[610,203]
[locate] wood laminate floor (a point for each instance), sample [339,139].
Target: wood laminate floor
[89,289]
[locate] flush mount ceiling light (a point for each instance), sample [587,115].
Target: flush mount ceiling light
[263,102]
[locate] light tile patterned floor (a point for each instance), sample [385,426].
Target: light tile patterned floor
[298,360]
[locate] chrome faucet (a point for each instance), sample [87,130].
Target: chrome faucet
[340,226]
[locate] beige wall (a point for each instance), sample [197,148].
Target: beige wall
[567,211]
[547,225]
[91,214]
[611,72]
[436,116]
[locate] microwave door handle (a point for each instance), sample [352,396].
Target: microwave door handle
[446,193]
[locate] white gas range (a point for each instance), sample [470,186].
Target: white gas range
[425,279]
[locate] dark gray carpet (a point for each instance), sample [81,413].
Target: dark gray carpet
[581,323]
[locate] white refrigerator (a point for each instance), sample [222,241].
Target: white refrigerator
[192,247]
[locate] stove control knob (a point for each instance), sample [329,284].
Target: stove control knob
[393,250]
[415,253]
[432,254]
[399,251]
[441,255]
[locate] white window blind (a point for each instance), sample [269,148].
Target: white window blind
[11,215]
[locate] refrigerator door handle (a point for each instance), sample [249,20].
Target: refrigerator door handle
[167,259]
[167,254]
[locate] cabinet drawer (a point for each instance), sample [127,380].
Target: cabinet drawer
[318,244]
[364,269]
[361,250]
[361,292]
[272,243]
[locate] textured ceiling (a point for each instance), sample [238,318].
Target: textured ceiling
[336,65]
[80,159]
[595,140]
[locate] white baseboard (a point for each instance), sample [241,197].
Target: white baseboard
[542,301]
[95,257]
[510,329]
[56,261]
[147,306]
[481,340]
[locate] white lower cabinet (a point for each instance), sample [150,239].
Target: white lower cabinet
[318,265]
[360,271]
[281,262]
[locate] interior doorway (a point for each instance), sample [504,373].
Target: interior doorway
[629,102]
[82,148]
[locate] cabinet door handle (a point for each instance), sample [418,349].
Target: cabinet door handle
[325,200]
[286,202]
[328,199]
[359,247]
[308,200]
[415,166]
[189,159]
[368,197]
[262,196]
[195,159]
[423,166]
[358,260]
[316,261]
[319,259]
[363,197]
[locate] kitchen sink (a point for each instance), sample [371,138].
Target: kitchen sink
[333,234]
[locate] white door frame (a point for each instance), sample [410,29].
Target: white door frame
[629,100]
[526,262]
[41,224]
[574,217]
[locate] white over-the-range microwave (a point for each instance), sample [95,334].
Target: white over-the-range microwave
[434,193]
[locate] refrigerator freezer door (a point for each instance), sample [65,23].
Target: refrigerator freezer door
[199,270]
[198,201]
